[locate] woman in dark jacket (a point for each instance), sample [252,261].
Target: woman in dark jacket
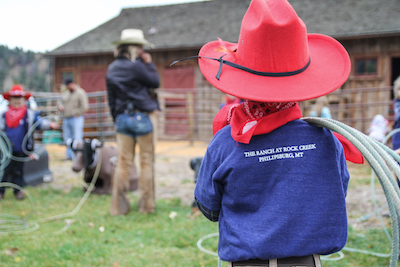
[131,80]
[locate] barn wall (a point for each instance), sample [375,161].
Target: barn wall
[364,96]
[199,100]
[83,68]
[373,101]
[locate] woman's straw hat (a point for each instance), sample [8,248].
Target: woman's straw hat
[132,36]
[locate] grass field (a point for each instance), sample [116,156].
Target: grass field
[168,237]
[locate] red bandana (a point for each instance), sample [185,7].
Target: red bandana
[254,118]
[14,116]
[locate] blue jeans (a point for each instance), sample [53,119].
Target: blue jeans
[72,128]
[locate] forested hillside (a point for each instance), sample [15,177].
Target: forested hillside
[28,68]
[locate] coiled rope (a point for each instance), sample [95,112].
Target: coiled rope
[11,224]
[383,161]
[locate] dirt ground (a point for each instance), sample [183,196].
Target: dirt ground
[175,179]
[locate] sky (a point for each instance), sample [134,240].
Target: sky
[43,25]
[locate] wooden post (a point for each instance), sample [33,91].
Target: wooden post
[162,117]
[99,118]
[190,109]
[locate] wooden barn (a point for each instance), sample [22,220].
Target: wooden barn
[369,29]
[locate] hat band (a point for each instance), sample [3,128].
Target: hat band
[17,93]
[240,67]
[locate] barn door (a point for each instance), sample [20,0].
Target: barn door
[179,81]
[97,116]
[93,80]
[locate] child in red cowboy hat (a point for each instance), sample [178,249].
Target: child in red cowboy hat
[15,123]
[276,184]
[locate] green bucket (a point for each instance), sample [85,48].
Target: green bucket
[51,137]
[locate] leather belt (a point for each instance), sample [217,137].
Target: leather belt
[305,261]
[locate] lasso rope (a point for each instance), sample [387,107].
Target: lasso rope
[11,224]
[380,158]
[6,153]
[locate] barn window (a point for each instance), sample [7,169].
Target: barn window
[366,66]
[67,75]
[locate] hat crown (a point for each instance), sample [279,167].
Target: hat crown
[272,38]
[17,90]
[132,34]
[132,37]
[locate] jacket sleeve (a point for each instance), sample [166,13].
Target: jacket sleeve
[44,124]
[148,74]
[212,215]
[2,122]
[111,91]
[209,189]
[85,102]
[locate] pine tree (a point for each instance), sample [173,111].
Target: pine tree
[29,76]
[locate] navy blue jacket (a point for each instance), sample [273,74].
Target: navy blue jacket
[129,82]
[282,195]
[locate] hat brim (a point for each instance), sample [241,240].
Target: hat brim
[7,95]
[134,41]
[329,68]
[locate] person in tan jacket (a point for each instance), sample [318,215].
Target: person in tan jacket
[74,105]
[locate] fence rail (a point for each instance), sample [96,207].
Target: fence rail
[187,114]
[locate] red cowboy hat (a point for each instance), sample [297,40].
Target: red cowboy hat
[16,91]
[275,59]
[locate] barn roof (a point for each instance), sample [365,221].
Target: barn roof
[193,24]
